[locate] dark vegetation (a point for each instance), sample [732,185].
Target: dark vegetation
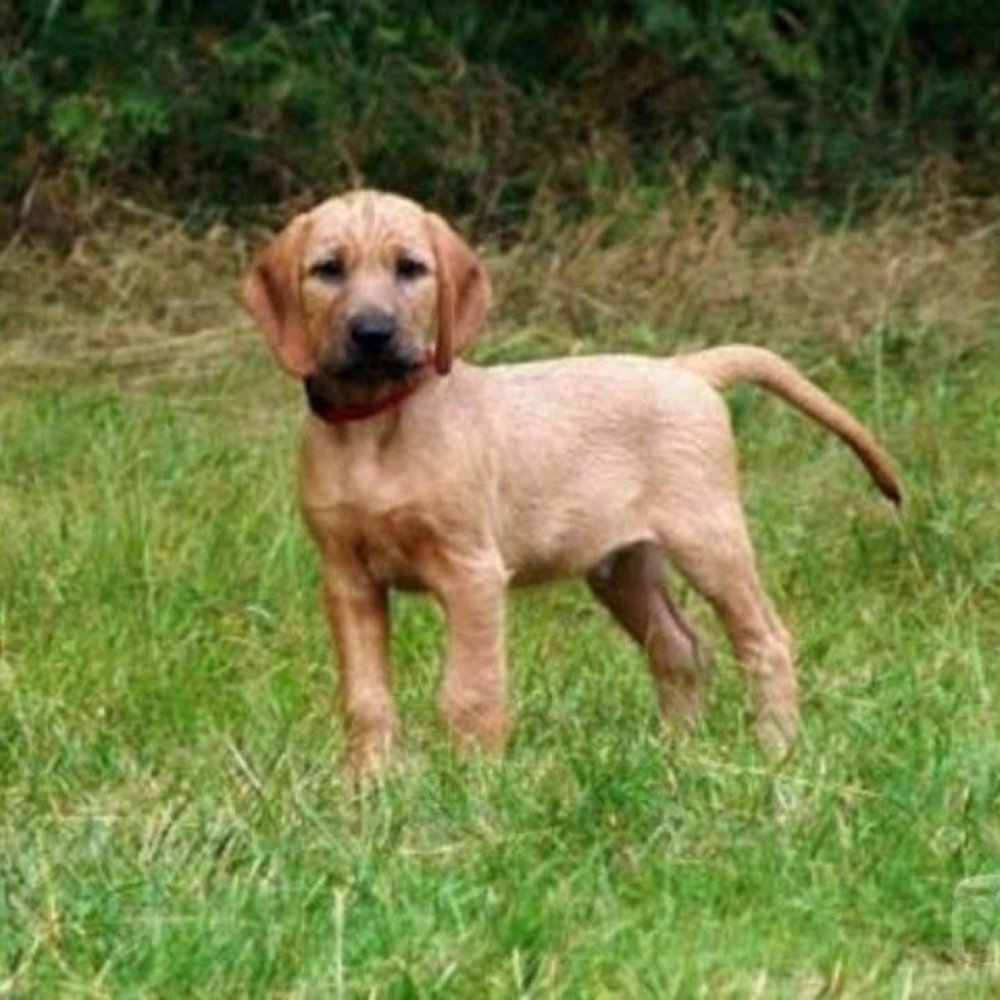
[485,108]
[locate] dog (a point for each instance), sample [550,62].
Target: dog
[422,472]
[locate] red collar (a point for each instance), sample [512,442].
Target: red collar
[345,413]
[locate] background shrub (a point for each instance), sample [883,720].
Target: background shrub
[483,107]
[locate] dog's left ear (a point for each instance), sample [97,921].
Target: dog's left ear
[463,292]
[271,296]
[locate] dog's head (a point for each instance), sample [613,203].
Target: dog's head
[364,287]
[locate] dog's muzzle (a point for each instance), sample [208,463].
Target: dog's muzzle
[377,350]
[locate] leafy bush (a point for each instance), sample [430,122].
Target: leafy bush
[483,107]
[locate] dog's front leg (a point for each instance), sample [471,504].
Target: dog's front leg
[359,622]
[473,695]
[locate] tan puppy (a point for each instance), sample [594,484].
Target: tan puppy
[463,480]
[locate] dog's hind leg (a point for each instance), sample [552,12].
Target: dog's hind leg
[711,547]
[629,583]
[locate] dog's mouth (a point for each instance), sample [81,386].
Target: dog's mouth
[359,388]
[363,369]
[371,371]
[354,377]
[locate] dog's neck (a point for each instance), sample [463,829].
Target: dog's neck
[354,408]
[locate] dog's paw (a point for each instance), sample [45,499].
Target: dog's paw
[776,733]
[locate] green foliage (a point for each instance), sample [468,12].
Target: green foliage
[483,106]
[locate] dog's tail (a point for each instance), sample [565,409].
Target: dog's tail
[724,366]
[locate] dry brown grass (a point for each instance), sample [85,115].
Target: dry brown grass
[706,268]
[137,292]
[139,295]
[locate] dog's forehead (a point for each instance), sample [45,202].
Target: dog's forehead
[368,219]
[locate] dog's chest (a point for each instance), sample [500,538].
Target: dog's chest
[396,546]
[377,518]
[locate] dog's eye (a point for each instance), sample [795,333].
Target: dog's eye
[329,269]
[409,268]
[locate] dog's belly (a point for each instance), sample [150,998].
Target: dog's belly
[570,542]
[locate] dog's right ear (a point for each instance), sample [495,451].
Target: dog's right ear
[271,296]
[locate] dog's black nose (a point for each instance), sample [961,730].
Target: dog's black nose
[371,331]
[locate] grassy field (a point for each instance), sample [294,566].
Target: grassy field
[172,820]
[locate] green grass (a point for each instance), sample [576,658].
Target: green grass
[172,818]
